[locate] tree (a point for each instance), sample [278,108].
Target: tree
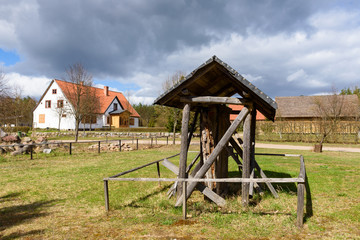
[329,110]
[148,114]
[80,94]
[174,113]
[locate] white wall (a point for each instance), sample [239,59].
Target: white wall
[51,114]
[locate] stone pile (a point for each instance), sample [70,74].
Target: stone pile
[111,147]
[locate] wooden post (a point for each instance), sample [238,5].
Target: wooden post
[137,144]
[70,149]
[151,142]
[300,204]
[106,192]
[252,149]
[99,147]
[222,143]
[184,208]
[158,171]
[167,140]
[246,160]
[155,140]
[31,152]
[120,145]
[184,146]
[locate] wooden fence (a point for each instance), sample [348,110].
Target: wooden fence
[302,188]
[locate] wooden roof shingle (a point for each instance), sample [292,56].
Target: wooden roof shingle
[216,78]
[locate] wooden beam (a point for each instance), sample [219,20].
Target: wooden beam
[184,146]
[215,100]
[219,147]
[202,188]
[246,171]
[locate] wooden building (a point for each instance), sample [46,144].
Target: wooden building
[208,91]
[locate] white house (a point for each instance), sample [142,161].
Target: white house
[54,109]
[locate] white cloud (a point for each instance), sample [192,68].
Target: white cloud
[300,74]
[26,85]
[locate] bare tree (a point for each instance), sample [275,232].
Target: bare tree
[175,113]
[78,93]
[329,110]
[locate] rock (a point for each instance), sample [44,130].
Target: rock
[47,150]
[26,140]
[16,153]
[41,139]
[11,139]
[2,151]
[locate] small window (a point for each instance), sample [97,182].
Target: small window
[54,91]
[132,121]
[115,106]
[41,118]
[48,104]
[64,115]
[108,120]
[60,103]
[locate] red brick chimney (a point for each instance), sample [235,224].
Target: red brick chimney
[106,90]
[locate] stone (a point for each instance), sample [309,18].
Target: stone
[26,140]
[15,153]
[47,150]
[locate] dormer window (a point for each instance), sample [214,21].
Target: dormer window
[115,106]
[54,91]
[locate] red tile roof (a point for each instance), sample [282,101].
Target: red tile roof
[105,100]
[259,115]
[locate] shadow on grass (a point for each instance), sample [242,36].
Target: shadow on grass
[18,214]
[18,235]
[134,202]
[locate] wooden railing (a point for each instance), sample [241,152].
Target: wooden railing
[301,180]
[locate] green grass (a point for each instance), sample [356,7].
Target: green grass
[58,196]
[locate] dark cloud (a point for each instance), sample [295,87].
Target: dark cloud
[118,37]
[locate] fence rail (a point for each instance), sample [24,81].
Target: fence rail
[301,180]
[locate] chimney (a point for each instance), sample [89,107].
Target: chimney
[106,90]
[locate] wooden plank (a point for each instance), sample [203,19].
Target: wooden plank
[106,193]
[236,147]
[215,100]
[231,153]
[252,148]
[158,171]
[268,184]
[300,204]
[184,146]
[192,163]
[197,180]
[219,147]
[140,167]
[192,129]
[202,188]
[246,161]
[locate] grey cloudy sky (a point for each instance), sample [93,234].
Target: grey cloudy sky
[285,47]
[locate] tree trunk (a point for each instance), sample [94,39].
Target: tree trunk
[77,122]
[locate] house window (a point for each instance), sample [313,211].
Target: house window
[48,104]
[64,115]
[115,106]
[108,120]
[41,118]
[60,103]
[54,91]
[89,119]
[132,121]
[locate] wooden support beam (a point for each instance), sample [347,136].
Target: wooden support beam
[246,160]
[192,129]
[252,149]
[184,145]
[215,100]
[219,147]
[202,188]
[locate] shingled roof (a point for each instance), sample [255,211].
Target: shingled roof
[104,99]
[216,78]
[305,106]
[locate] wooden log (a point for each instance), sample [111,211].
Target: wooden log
[246,161]
[202,188]
[192,163]
[158,171]
[184,209]
[184,145]
[268,184]
[99,147]
[236,159]
[300,204]
[119,145]
[197,180]
[70,149]
[192,129]
[215,100]
[106,193]
[220,146]
[252,149]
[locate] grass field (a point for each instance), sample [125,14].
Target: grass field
[58,196]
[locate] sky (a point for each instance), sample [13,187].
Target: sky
[284,47]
